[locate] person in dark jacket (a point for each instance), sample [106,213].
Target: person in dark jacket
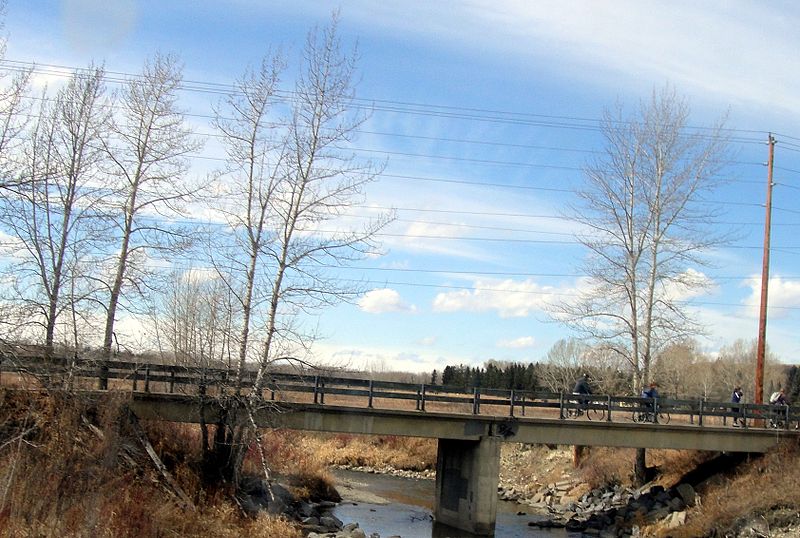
[582,385]
[651,391]
[582,388]
[736,397]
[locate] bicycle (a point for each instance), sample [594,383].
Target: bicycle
[583,409]
[648,416]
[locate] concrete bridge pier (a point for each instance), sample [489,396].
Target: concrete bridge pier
[467,474]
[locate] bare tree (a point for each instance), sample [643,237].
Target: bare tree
[256,150]
[646,229]
[321,182]
[53,215]
[297,181]
[566,361]
[147,154]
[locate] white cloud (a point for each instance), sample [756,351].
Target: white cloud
[517,343]
[509,298]
[783,295]
[379,301]
[427,341]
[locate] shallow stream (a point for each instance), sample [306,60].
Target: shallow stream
[395,506]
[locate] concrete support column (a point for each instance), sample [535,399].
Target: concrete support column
[467,474]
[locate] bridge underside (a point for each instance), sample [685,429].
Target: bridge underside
[469,427]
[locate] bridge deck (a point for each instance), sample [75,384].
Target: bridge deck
[468,427]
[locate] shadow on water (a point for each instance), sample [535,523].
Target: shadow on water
[394,506]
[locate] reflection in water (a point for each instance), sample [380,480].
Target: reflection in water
[402,507]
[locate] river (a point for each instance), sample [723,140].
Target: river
[395,506]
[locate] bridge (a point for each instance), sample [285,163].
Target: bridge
[469,424]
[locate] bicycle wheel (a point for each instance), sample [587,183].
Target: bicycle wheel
[663,418]
[596,414]
[638,417]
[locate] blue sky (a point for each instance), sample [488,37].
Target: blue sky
[485,112]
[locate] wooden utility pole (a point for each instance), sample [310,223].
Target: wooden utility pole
[762,315]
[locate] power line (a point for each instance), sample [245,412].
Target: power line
[423,109]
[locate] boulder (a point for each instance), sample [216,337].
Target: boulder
[687,493]
[675,519]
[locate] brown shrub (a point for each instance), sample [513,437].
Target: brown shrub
[66,478]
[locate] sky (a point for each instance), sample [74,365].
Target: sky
[485,114]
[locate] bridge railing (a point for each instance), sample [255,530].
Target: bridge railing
[170,378]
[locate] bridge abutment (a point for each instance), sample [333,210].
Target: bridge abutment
[467,474]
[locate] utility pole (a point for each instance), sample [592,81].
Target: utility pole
[762,315]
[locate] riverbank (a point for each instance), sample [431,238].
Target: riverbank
[598,495]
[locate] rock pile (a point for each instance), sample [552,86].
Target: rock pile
[428,474]
[615,510]
[351,530]
[316,518]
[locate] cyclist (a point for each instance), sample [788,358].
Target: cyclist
[651,393]
[582,389]
[777,398]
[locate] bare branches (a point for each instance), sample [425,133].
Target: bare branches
[147,156]
[644,228]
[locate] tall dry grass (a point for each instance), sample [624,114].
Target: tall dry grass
[70,468]
[765,486]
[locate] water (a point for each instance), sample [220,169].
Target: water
[395,506]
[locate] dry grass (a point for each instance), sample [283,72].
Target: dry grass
[62,478]
[765,486]
[606,465]
[317,451]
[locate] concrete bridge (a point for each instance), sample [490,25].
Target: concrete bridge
[469,424]
[468,462]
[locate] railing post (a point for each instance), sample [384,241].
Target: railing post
[102,379]
[422,402]
[476,401]
[511,398]
[523,404]
[272,394]
[172,381]
[316,388]
[369,398]
[743,414]
[655,410]
[561,406]
[147,378]
[135,378]
[701,411]
[322,391]
[608,410]
[201,389]
[418,400]
[786,419]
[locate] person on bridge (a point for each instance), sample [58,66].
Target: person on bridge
[736,397]
[582,389]
[651,392]
[582,386]
[778,398]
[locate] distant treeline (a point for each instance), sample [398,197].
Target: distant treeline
[515,376]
